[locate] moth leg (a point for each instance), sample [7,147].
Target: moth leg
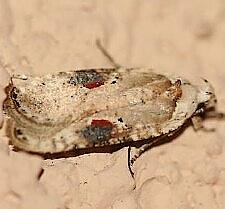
[216,115]
[129,162]
[197,123]
[106,54]
[137,152]
[197,120]
[130,166]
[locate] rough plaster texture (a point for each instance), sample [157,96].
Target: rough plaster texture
[180,37]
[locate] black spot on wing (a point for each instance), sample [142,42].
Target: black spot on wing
[97,135]
[85,76]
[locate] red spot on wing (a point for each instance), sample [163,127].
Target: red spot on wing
[93,84]
[101,123]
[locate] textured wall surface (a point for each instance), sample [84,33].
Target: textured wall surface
[180,37]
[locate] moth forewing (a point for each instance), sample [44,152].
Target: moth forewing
[98,107]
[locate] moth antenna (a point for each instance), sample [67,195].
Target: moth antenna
[106,54]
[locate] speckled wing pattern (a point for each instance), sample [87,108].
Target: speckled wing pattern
[95,107]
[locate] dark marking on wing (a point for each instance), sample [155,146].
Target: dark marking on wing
[89,78]
[98,132]
[14,96]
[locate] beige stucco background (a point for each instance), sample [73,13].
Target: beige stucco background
[176,36]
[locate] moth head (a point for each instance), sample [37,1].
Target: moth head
[206,95]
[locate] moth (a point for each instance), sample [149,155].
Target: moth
[87,108]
